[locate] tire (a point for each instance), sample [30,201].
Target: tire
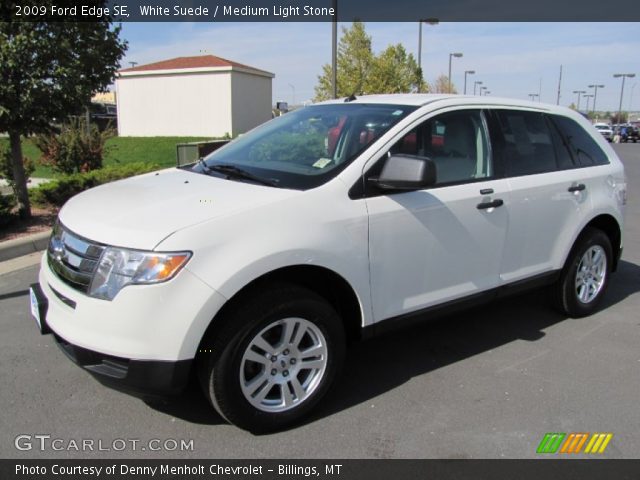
[580,288]
[292,371]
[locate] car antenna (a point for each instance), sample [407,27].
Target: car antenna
[350,98]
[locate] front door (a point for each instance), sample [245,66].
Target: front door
[445,242]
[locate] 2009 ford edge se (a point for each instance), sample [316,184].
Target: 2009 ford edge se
[255,266]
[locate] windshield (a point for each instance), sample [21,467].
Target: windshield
[602,127]
[305,148]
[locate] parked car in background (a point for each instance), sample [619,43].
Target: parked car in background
[606,130]
[105,115]
[255,267]
[629,134]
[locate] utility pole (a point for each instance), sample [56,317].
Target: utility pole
[559,85]
[540,89]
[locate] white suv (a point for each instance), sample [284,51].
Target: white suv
[257,265]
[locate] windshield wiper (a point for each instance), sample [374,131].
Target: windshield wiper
[204,165]
[233,171]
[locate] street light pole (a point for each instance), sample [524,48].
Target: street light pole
[579,92]
[588,97]
[595,95]
[293,88]
[631,95]
[533,96]
[334,50]
[430,21]
[623,75]
[467,72]
[451,55]
[475,84]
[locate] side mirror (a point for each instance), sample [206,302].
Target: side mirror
[406,172]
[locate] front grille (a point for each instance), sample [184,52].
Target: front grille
[72,258]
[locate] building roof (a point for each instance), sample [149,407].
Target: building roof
[198,63]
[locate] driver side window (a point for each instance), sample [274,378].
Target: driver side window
[456,142]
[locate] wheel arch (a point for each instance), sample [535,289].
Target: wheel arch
[610,226]
[323,281]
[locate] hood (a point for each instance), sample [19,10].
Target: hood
[141,211]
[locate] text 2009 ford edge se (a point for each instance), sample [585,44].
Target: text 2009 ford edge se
[256,266]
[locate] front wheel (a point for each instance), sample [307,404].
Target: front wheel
[279,352]
[585,275]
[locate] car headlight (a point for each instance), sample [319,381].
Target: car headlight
[119,267]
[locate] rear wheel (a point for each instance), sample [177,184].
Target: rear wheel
[585,276]
[278,354]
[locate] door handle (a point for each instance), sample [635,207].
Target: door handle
[577,188]
[495,204]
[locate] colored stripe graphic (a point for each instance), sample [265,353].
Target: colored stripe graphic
[574,443]
[598,443]
[550,442]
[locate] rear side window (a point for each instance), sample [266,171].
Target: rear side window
[527,146]
[564,156]
[584,149]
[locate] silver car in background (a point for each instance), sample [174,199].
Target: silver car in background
[606,130]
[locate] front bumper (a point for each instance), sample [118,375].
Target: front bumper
[164,322]
[138,377]
[142,342]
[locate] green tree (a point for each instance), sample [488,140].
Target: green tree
[361,72]
[441,85]
[619,118]
[394,71]
[50,70]
[354,58]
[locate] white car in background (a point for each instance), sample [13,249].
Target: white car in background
[256,266]
[606,130]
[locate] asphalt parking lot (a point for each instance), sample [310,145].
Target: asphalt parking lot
[488,383]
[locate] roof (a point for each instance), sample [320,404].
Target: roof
[397,98]
[192,64]
[420,99]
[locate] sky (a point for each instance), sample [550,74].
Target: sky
[511,59]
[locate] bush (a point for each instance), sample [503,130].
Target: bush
[75,149]
[7,214]
[61,189]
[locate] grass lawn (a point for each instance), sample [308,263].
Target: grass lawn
[121,150]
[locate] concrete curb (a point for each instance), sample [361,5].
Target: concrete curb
[23,246]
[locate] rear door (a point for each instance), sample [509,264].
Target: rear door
[549,190]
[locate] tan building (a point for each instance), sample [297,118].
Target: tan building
[203,96]
[104,97]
